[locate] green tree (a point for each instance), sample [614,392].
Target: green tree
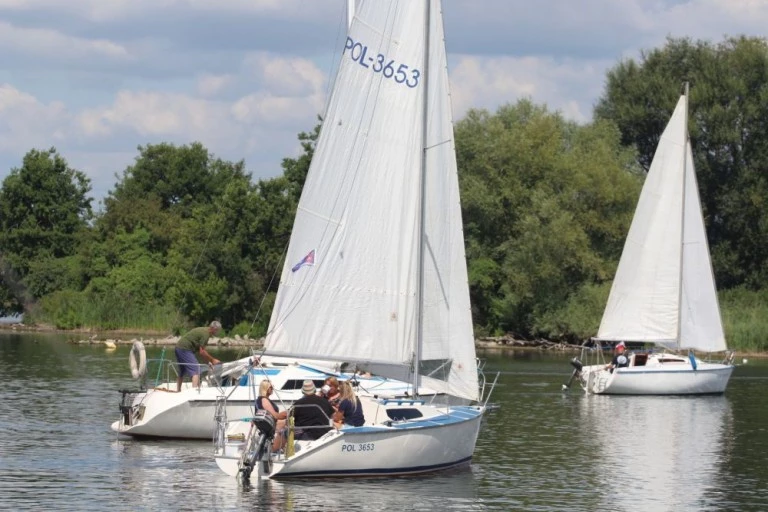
[728,105]
[295,169]
[546,204]
[44,207]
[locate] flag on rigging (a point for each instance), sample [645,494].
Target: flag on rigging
[309,259]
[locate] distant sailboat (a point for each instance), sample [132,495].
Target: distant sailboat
[664,289]
[387,289]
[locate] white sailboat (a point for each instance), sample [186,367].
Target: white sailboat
[376,272]
[160,411]
[664,290]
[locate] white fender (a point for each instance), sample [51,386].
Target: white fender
[138,360]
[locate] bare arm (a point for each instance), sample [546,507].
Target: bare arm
[268,407]
[208,357]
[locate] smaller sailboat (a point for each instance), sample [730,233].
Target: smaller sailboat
[664,290]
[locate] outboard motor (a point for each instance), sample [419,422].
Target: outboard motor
[265,423]
[258,446]
[577,367]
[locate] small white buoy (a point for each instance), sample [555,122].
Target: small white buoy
[744,361]
[110,345]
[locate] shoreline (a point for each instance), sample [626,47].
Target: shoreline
[156,338]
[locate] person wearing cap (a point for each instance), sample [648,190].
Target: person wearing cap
[192,343]
[311,410]
[620,359]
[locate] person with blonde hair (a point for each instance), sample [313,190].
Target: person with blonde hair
[350,411]
[264,403]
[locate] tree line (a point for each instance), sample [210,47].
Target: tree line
[185,236]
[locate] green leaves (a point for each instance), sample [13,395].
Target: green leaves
[728,106]
[43,209]
[546,205]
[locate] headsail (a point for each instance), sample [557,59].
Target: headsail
[701,327]
[359,212]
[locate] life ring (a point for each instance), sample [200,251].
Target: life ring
[138,360]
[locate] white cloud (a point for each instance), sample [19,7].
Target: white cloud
[153,114]
[27,122]
[211,85]
[46,42]
[276,110]
[284,76]
[98,77]
[566,85]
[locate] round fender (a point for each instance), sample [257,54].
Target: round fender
[138,360]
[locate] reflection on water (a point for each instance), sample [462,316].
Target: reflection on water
[541,450]
[657,453]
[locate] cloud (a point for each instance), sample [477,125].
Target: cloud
[32,43]
[212,85]
[96,78]
[28,122]
[567,85]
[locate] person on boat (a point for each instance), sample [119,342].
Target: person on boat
[311,410]
[350,410]
[330,391]
[620,359]
[264,403]
[192,343]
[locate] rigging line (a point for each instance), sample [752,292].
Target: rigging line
[269,287]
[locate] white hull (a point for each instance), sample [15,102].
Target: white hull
[677,377]
[442,439]
[161,412]
[188,414]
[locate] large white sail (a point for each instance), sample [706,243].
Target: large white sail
[644,303]
[357,225]
[701,326]
[664,290]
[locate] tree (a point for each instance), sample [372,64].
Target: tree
[546,204]
[728,107]
[43,209]
[295,169]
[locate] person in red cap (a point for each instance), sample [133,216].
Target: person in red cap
[620,359]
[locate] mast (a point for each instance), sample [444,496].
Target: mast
[350,12]
[682,215]
[422,201]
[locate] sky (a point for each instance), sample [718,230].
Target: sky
[97,78]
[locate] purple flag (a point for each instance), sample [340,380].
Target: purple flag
[309,259]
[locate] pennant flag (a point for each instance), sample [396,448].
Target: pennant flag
[309,259]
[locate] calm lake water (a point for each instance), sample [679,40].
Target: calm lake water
[542,450]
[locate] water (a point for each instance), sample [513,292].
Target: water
[542,450]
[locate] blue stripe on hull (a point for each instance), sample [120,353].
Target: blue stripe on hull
[668,371]
[377,471]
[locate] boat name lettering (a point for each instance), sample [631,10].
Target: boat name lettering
[401,73]
[359,447]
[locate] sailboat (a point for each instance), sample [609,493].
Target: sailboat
[159,411]
[664,290]
[375,272]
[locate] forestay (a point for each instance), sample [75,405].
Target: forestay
[349,287]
